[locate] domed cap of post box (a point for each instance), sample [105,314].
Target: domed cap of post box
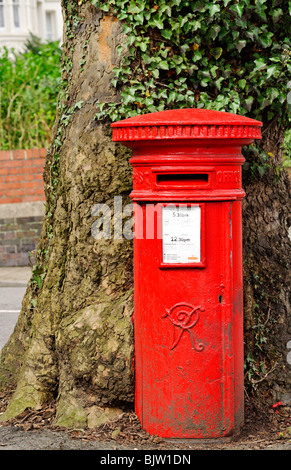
[186,124]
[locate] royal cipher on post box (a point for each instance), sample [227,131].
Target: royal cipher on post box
[188,287]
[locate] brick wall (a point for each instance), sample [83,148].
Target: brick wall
[21,175]
[18,237]
[21,204]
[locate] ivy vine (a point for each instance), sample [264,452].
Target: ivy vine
[227,55]
[65,111]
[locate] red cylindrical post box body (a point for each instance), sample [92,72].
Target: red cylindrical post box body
[188,286]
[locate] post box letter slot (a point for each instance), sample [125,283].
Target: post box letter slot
[183,179]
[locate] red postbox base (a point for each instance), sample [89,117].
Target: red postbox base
[188,314]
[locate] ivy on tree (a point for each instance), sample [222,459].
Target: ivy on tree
[225,55]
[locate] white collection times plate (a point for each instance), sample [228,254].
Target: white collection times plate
[181,233]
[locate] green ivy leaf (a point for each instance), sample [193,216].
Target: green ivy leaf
[272,94]
[156,22]
[213,71]
[213,9]
[238,8]
[249,102]
[139,18]
[265,39]
[240,45]
[259,65]
[163,65]
[216,52]
[204,82]
[134,8]
[270,71]
[143,46]
[167,33]
[261,170]
[215,31]
[172,97]
[218,82]
[127,98]
[197,56]
[276,14]
[195,25]
[38,281]
[155,73]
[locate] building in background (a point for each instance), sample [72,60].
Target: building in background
[19,18]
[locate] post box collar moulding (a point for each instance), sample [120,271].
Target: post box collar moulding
[186,124]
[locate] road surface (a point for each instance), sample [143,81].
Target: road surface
[10,306]
[13,282]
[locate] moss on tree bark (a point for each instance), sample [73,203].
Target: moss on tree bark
[76,344]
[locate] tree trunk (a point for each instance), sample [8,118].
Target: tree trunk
[74,338]
[267,279]
[76,344]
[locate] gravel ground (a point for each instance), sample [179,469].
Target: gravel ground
[14,438]
[35,430]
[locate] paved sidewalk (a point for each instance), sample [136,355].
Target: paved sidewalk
[13,282]
[15,276]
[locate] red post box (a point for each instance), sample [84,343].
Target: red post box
[188,286]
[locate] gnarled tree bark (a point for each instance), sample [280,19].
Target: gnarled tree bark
[267,279]
[76,344]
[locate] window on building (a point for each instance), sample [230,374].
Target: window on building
[2,17]
[16,13]
[50,25]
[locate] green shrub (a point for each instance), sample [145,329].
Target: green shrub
[29,86]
